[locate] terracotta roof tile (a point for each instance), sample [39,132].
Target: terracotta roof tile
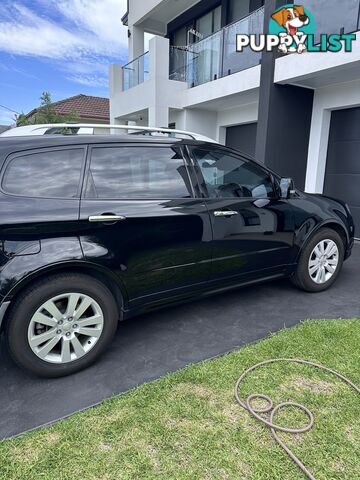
[85,106]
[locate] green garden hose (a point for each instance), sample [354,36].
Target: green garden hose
[272,411]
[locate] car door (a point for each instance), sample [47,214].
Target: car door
[253,229]
[139,218]
[39,209]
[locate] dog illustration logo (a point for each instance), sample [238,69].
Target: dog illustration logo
[292,18]
[290,21]
[292,29]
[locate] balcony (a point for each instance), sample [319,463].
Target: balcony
[136,72]
[215,56]
[161,80]
[142,92]
[315,70]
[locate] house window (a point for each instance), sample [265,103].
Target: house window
[205,25]
[180,38]
[238,9]
[209,23]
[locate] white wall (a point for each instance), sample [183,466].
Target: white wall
[155,95]
[297,69]
[243,82]
[235,116]
[201,121]
[140,9]
[177,117]
[213,124]
[335,97]
[194,120]
[194,109]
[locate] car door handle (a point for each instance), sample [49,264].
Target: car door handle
[106,218]
[225,213]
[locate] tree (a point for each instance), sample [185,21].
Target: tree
[46,114]
[21,120]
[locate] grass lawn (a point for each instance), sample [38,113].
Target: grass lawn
[188,426]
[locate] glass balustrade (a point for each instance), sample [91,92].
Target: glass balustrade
[136,72]
[333,16]
[234,61]
[215,56]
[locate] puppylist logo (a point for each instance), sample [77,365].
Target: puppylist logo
[292,29]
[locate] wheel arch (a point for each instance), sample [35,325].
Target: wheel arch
[331,224]
[95,271]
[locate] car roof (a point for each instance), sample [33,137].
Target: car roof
[14,144]
[10,145]
[44,140]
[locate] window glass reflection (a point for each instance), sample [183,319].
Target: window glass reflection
[49,174]
[137,172]
[229,176]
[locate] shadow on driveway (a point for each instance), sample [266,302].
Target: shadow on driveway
[152,345]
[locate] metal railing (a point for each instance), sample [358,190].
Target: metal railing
[136,72]
[215,56]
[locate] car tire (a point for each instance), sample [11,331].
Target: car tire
[309,274]
[49,301]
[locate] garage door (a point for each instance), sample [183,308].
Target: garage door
[242,138]
[342,178]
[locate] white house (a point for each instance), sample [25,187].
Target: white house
[300,114]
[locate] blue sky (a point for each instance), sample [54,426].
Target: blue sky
[60,46]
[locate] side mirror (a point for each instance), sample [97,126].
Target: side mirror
[287,187]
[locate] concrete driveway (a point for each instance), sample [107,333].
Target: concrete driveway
[161,342]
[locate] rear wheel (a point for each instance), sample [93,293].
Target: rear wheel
[61,325]
[320,262]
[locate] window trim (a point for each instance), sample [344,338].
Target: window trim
[201,180]
[34,151]
[194,178]
[92,147]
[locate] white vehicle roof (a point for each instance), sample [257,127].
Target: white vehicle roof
[93,129]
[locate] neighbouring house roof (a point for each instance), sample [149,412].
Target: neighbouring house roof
[85,106]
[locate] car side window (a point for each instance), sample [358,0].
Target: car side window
[137,173]
[226,175]
[46,174]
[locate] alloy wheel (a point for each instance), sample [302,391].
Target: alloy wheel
[323,261]
[65,328]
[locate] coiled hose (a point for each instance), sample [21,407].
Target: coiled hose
[272,411]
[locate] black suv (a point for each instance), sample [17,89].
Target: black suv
[95,229]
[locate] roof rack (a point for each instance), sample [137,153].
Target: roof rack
[93,129]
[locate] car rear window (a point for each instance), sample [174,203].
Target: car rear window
[137,173]
[48,174]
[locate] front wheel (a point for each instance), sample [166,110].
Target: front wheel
[61,325]
[320,262]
